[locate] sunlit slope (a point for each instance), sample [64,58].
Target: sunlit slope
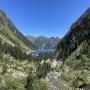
[10,34]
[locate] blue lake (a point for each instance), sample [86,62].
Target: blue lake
[37,52]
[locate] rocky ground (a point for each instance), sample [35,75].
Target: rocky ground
[55,83]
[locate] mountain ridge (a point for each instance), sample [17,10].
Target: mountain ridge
[42,42]
[76,32]
[9,33]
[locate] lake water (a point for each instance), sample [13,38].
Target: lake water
[37,52]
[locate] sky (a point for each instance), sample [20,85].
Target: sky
[44,17]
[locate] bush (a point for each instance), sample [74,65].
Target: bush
[10,84]
[4,69]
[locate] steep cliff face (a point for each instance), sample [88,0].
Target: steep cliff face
[10,34]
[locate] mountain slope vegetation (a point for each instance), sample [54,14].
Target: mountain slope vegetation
[74,51]
[78,33]
[10,34]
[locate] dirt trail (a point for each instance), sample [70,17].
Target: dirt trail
[54,83]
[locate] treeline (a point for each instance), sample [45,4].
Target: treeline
[13,51]
[45,56]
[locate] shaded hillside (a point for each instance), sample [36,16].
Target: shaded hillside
[10,34]
[42,42]
[78,33]
[74,51]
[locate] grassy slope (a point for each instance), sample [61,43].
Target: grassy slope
[9,33]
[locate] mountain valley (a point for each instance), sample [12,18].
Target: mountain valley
[68,68]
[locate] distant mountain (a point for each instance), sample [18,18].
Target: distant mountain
[10,34]
[42,42]
[73,51]
[31,38]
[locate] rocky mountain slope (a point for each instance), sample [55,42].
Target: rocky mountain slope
[10,34]
[42,42]
[74,51]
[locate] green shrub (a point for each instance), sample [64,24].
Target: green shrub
[4,69]
[10,83]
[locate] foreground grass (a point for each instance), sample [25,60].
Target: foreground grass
[15,73]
